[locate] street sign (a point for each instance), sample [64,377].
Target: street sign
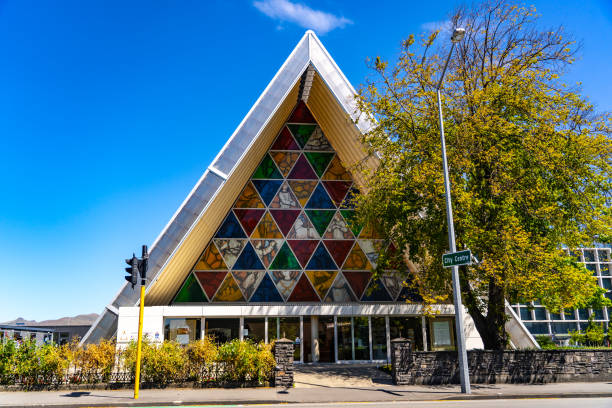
[457,258]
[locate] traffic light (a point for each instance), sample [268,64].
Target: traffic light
[133,270]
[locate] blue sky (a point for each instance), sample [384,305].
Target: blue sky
[111,110]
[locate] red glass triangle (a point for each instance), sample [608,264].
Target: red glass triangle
[284,219]
[338,249]
[210,281]
[337,190]
[301,114]
[303,248]
[302,170]
[358,281]
[303,291]
[249,218]
[285,141]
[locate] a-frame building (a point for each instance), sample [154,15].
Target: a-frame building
[267,245]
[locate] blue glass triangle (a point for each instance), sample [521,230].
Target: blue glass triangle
[230,228]
[266,292]
[267,189]
[320,199]
[409,294]
[321,259]
[377,294]
[248,260]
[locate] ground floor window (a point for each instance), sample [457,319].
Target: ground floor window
[408,328]
[222,329]
[379,338]
[181,330]
[255,329]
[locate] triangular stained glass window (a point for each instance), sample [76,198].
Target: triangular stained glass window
[320,219]
[285,219]
[349,199]
[318,141]
[392,282]
[302,229]
[303,291]
[302,189]
[230,228]
[302,170]
[409,294]
[267,249]
[321,259]
[230,249]
[338,249]
[338,229]
[340,291]
[321,281]
[248,281]
[248,260]
[285,160]
[285,259]
[371,248]
[285,198]
[248,218]
[358,281]
[357,260]
[285,141]
[266,292]
[376,292]
[267,189]
[267,228]
[319,161]
[337,190]
[301,133]
[301,114]
[267,169]
[320,199]
[190,292]
[210,281]
[211,259]
[229,291]
[303,249]
[351,219]
[336,171]
[249,198]
[285,281]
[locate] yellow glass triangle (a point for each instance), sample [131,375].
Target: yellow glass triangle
[266,228]
[249,198]
[211,259]
[285,160]
[303,189]
[229,291]
[321,281]
[356,260]
[336,171]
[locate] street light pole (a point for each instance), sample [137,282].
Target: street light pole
[462,354]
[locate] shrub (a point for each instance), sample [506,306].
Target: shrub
[161,364]
[93,363]
[545,342]
[202,355]
[8,350]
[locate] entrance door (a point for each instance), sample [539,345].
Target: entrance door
[326,339]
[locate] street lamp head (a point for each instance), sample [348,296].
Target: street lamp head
[458,34]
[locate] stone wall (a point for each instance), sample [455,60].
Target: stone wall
[283,354]
[490,367]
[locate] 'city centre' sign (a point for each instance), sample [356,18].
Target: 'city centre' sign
[457,258]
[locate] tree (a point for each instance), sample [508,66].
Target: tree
[529,160]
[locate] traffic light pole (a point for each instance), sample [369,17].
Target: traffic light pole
[139,346]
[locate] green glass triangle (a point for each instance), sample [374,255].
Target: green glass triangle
[302,132]
[319,161]
[267,169]
[320,219]
[191,292]
[351,219]
[285,259]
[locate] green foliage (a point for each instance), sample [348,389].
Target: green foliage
[530,166]
[593,335]
[95,362]
[8,350]
[202,355]
[545,341]
[161,364]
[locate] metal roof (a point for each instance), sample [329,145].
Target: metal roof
[339,92]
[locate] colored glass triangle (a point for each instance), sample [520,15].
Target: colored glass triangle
[285,281]
[267,189]
[302,189]
[318,141]
[371,248]
[320,219]
[267,170]
[303,229]
[303,291]
[336,171]
[229,291]
[321,281]
[376,292]
[285,141]
[358,281]
[320,199]
[303,248]
[285,198]
[190,292]
[340,291]
[319,161]
[284,219]
[301,133]
[302,170]
[357,260]
[337,190]
[266,292]
[338,229]
[338,249]
[248,281]
[409,294]
[350,199]
[267,228]
[249,198]
[350,216]
[370,232]
[393,283]
[267,249]
[285,259]
[210,281]
[285,161]
[230,249]
[230,228]
[321,259]
[249,218]
[248,259]
[211,259]
[301,114]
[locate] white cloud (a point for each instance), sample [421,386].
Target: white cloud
[443,26]
[302,15]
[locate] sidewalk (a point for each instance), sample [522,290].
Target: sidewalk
[317,393]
